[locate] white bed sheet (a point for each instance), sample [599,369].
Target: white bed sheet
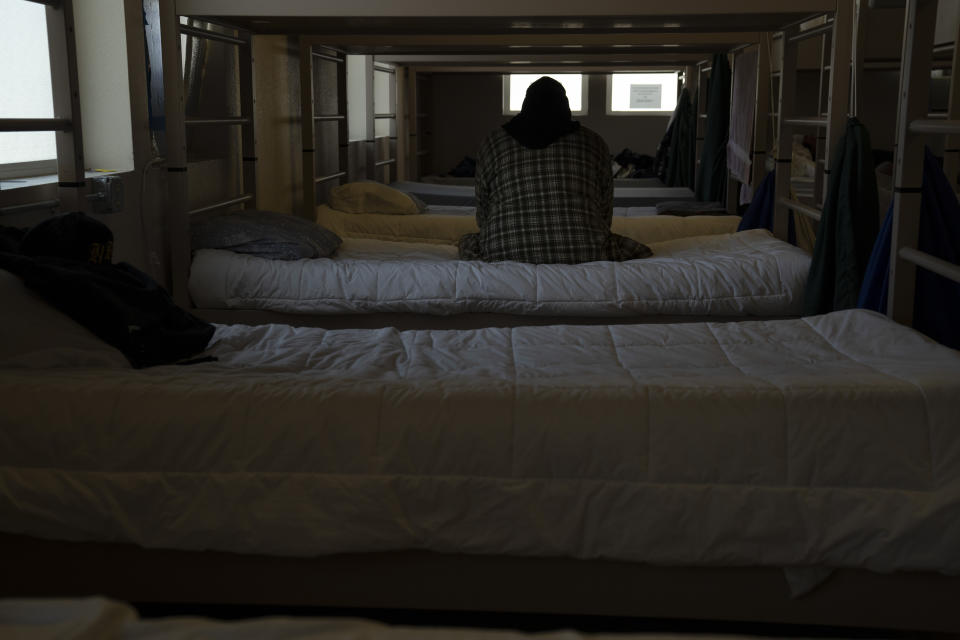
[826,441]
[742,274]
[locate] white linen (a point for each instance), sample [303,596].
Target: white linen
[748,273]
[824,441]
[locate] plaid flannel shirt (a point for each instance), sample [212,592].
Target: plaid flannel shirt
[546,205]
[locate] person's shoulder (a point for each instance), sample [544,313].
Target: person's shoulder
[592,136]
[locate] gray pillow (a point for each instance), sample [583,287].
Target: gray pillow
[265,234]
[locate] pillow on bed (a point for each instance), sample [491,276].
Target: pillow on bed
[373,197]
[38,336]
[265,234]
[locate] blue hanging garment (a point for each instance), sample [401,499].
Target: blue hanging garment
[759,215]
[936,309]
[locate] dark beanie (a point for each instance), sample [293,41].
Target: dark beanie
[75,236]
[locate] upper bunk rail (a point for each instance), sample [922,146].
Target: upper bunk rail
[812,32]
[35,124]
[328,58]
[935,127]
[807,210]
[212,35]
[238,120]
[939,266]
[223,203]
[806,122]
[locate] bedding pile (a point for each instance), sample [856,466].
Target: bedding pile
[830,440]
[749,273]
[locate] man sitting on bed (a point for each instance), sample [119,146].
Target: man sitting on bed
[545,189]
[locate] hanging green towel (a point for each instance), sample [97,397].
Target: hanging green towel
[848,227]
[712,173]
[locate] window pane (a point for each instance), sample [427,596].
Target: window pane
[25,79]
[572,84]
[643,92]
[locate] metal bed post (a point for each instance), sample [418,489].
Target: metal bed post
[701,109]
[401,123]
[413,125]
[838,96]
[66,102]
[919,26]
[177,221]
[788,72]
[370,143]
[951,150]
[761,121]
[307,128]
[732,186]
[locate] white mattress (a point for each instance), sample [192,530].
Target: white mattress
[830,441]
[741,274]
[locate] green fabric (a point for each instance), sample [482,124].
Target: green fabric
[712,173]
[848,227]
[680,157]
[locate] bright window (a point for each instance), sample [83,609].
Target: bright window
[652,92]
[515,88]
[25,89]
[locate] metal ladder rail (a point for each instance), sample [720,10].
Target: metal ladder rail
[837,107]
[919,27]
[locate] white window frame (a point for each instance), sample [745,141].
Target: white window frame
[658,112]
[584,96]
[68,165]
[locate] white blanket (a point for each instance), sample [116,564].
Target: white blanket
[830,440]
[741,274]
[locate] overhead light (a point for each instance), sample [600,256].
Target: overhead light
[621,46]
[571,46]
[519,46]
[573,25]
[571,61]
[521,25]
[519,62]
[622,25]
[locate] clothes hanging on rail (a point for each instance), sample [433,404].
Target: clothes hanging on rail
[759,215]
[740,140]
[936,308]
[848,226]
[681,149]
[712,172]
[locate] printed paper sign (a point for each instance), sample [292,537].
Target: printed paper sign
[645,96]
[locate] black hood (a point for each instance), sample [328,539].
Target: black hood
[544,116]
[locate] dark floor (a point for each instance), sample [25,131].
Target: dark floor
[529,622]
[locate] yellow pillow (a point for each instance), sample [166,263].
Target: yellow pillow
[371,197]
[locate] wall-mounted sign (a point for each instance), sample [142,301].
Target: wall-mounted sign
[645,96]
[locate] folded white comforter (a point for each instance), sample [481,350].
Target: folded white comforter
[830,440]
[741,274]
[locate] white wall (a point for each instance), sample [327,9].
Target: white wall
[357,96]
[104,84]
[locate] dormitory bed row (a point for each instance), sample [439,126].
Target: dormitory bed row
[799,470]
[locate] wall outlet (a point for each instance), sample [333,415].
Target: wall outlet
[107,194]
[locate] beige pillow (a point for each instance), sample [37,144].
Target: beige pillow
[372,197]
